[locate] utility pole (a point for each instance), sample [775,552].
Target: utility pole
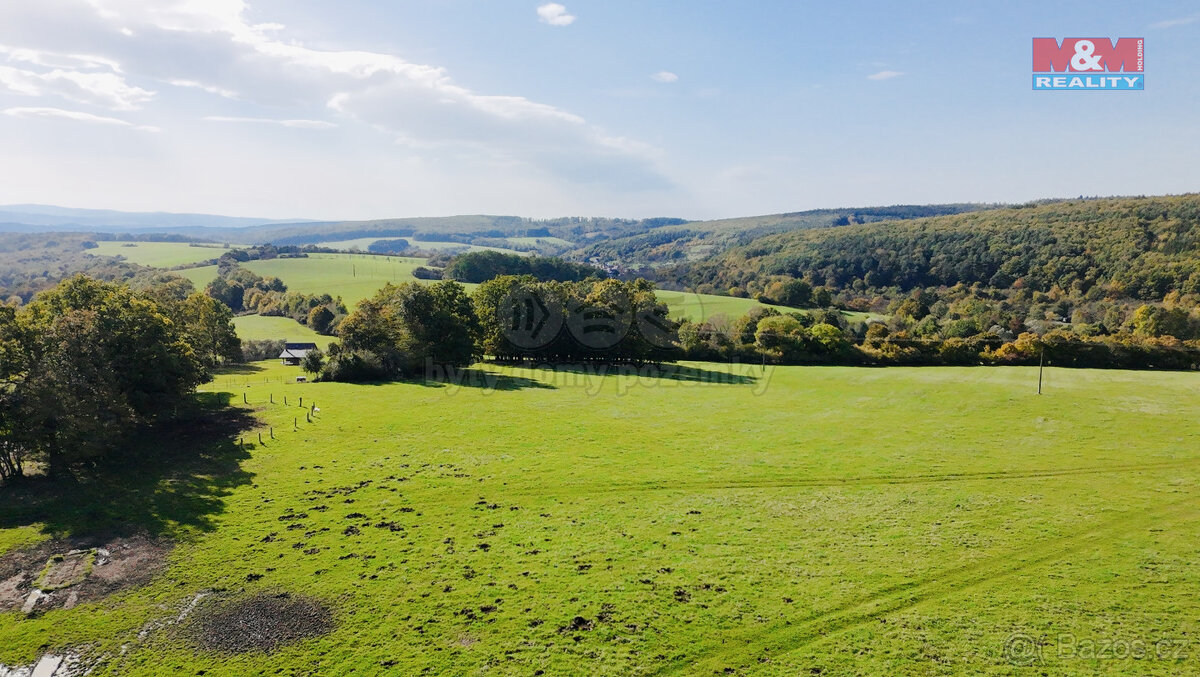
[1041,364]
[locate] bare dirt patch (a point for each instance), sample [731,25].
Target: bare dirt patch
[260,623]
[66,570]
[76,570]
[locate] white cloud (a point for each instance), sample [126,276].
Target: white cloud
[297,124]
[57,60]
[272,77]
[1171,23]
[77,116]
[102,89]
[555,14]
[416,104]
[665,76]
[884,75]
[211,89]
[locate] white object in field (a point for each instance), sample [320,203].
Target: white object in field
[47,666]
[31,601]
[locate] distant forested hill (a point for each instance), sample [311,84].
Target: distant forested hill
[697,239]
[42,218]
[1139,248]
[30,263]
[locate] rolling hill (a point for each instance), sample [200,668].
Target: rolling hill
[1132,247]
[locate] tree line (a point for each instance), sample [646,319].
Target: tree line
[486,265]
[87,363]
[406,329]
[826,337]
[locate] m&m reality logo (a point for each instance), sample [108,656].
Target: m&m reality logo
[1088,63]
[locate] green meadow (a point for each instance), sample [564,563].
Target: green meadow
[259,328]
[161,254]
[699,307]
[199,276]
[363,243]
[354,277]
[717,519]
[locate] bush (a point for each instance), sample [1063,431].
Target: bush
[355,367]
[254,351]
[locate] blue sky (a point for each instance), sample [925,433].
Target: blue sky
[699,109]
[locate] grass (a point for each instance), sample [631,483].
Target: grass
[352,276]
[258,328]
[363,243]
[200,276]
[792,521]
[160,254]
[699,307]
[537,241]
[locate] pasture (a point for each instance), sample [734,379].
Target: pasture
[354,277]
[717,519]
[363,243]
[161,254]
[259,328]
[699,307]
[200,276]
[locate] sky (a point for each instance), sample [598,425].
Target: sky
[697,109]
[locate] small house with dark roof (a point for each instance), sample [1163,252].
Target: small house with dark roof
[293,353]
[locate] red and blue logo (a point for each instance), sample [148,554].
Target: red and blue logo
[1088,63]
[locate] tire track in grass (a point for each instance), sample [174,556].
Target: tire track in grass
[745,648]
[868,480]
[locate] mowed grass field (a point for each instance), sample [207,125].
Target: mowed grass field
[363,243]
[800,520]
[259,328]
[700,307]
[161,254]
[354,277]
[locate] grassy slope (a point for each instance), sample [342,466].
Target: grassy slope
[877,521]
[159,254]
[363,243]
[200,277]
[353,277]
[538,241]
[696,307]
[255,327]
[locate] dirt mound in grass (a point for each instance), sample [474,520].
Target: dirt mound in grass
[260,623]
[61,573]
